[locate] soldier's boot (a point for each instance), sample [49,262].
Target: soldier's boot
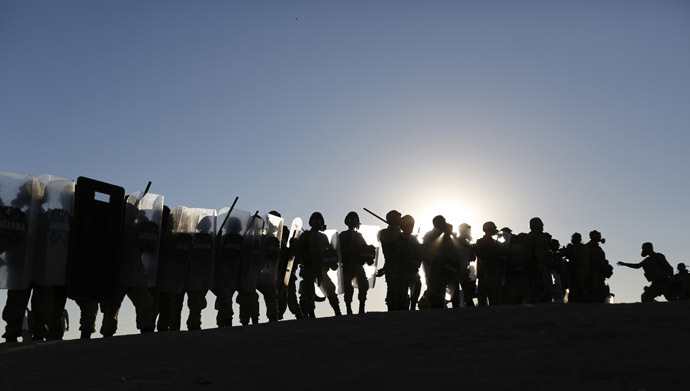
[85,335]
[361,306]
[335,304]
[348,308]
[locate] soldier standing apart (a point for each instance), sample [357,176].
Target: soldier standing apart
[392,269]
[490,266]
[354,251]
[657,270]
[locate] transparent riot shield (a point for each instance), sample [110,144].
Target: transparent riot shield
[370,255]
[295,232]
[331,279]
[251,255]
[177,245]
[93,265]
[143,214]
[200,270]
[52,229]
[18,195]
[229,248]
[270,250]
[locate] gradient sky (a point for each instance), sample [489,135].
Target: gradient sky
[574,111]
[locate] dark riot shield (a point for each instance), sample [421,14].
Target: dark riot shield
[295,232]
[143,215]
[176,247]
[200,270]
[52,228]
[229,249]
[270,250]
[251,255]
[95,243]
[18,204]
[327,247]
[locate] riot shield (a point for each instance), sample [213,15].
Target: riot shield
[93,265]
[18,195]
[177,245]
[52,228]
[229,245]
[331,279]
[270,250]
[251,255]
[200,270]
[295,232]
[370,255]
[143,214]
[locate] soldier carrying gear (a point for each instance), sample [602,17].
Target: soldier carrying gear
[410,252]
[287,292]
[679,286]
[537,246]
[313,246]
[268,276]
[490,266]
[392,266]
[355,254]
[467,249]
[599,269]
[433,261]
[515,285]
[657,270]
[578,266]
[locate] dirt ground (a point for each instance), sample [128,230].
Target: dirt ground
[543,347]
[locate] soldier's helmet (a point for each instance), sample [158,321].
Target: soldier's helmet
[316,220]
[535,224]
[407,224]
[352,220]
[682,268]
[393,218]
[490,228]
[576,238]
[595,236]
[439,222]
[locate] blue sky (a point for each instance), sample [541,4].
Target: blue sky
[494,110]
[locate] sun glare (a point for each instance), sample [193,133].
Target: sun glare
[454,212]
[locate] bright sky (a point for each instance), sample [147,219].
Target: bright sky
[574,111]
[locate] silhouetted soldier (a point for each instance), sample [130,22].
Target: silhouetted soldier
[657,270]
[515,285]
[490,266]
[465,246]
[433,262]
[578,265]
[268,275]
[410,253]
[226,271]
[392,266]
[679,286]
[537,245]
[355,254]
[599,269]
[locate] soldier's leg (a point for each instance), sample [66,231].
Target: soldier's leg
[87,319]
[244,301]
[111,310]
[196,302]
[281,298]
[455,300]
[255,307]
[415,291]
[42,309]
[271,301]
[56,324]
[363,288]
[292,301]
[145,308]
[176,303]
[223,305]
[13,313]
[348,288]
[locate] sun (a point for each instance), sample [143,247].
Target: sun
[454,211]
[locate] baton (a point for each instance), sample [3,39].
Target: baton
[256,214]
[136,204]
[220,230]
[377,216]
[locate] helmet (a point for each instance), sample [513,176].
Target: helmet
[490,228]
[316,220]
[439,222]
[352,220]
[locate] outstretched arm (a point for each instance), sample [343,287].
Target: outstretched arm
[631,265]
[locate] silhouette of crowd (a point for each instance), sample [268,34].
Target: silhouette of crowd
[91,243]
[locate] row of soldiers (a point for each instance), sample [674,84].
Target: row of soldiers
[95,245]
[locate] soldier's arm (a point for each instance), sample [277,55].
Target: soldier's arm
[630,265]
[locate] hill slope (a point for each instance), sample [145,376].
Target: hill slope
[569,347]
